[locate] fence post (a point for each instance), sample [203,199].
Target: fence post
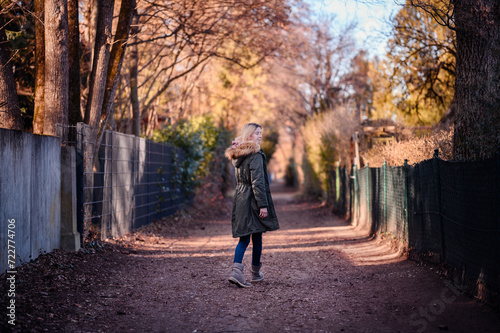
[368,206]
[356,193]
[70,237]
[384,173]
[405,202]
[438,200]
[107,191]
[330,191]
[80,180]
[343,189]
[354,197]
[337,183]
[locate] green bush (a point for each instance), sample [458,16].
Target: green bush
[198,137]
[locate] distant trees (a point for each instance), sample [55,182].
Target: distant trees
[361,86]
[423,54]
[324,64]
[312,72]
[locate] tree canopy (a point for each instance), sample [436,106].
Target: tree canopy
[139,65]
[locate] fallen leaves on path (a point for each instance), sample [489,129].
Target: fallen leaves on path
[321,275]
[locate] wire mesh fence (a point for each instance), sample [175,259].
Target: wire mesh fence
[470,213]
[423,209]
[132,183]
[443,212]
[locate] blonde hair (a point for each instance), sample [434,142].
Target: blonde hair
[247,131]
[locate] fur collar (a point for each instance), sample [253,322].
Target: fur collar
[243,149]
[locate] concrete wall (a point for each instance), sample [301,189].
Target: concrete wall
[30,194]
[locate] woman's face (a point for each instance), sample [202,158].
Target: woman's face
[257,136]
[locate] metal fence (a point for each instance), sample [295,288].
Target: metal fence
[444,212]
[133,183]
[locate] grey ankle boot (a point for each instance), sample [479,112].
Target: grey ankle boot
[256,274]
[237,277]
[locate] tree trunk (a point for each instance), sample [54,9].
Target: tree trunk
[97,82]
[75,114]
[56,66]
[10,114]
[134,89]
[39,114]
[114,67]
[448,119]
[89,21]
[92,29]
[477,87]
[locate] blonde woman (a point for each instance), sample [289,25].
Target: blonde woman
[253,208]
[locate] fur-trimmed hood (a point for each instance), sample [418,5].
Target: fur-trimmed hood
[242,149]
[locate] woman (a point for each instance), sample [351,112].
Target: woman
[253,209]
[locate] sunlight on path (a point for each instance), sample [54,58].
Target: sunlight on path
[355,244]
[306,227]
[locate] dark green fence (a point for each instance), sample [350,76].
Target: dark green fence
[444,212]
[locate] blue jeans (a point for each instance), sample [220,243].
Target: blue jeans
[242,247]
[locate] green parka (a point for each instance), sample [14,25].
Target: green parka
[252,191]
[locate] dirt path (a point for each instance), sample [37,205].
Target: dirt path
[321,275]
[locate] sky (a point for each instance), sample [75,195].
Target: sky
[372,32]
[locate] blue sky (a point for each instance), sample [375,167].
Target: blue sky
[372,31]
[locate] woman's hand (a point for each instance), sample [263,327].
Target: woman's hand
[263,213]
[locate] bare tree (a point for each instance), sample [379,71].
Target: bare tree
[319,59]
[106,66]
[177,38]
[97,81]
[358,81]
[134,72]
[115,64]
